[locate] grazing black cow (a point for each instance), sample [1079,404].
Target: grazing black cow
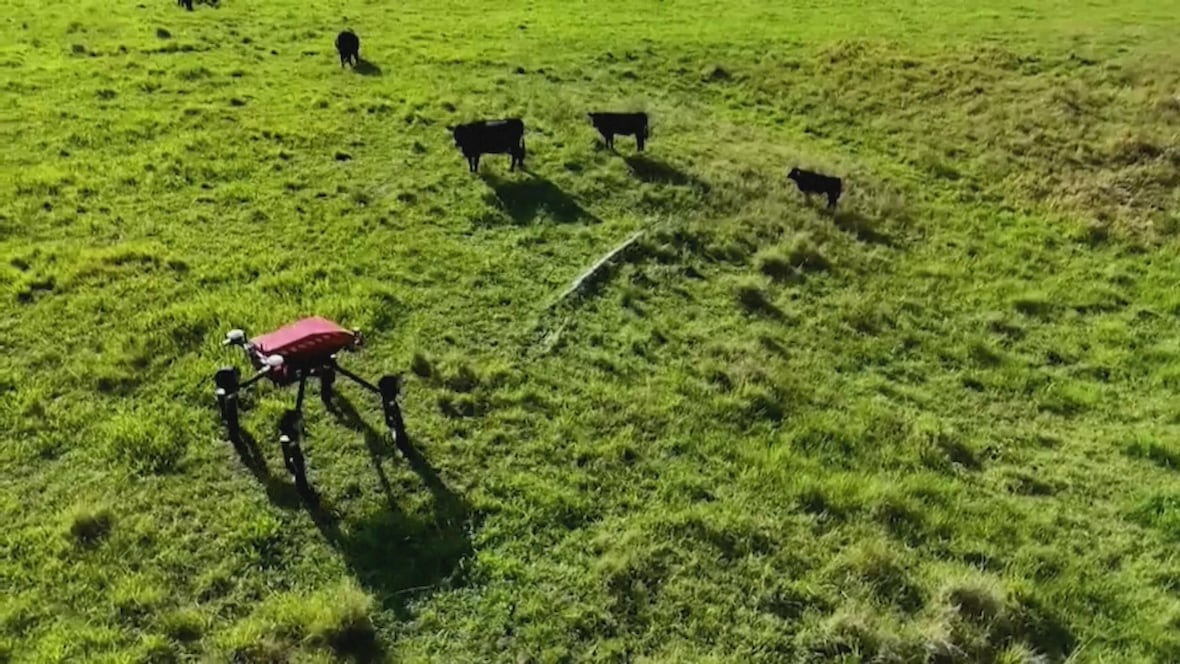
[187,4]
[816,183]
[349,47]
[491,137]
[624,124]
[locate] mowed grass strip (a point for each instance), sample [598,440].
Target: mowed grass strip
[937,424]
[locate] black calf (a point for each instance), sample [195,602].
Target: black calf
[491,137]
[349,47]
[816,183]
[624,124]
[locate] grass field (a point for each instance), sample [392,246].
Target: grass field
[940,425]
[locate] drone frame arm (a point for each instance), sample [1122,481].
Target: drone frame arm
[227,380]
[258,375]
[355,378]
[388,388]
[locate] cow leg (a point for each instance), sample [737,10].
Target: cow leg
[832,197]
[475,164]
[639,142]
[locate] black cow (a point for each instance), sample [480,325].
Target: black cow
[816,183]
[187,4]
[349,47]
[624,124]
[491,137]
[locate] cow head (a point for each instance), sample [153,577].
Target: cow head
[794,174]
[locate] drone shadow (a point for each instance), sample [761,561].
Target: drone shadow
[375,443]
[280,493]
[395,554]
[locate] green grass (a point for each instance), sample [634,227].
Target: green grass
[938,425]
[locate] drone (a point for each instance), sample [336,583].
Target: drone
[292,354]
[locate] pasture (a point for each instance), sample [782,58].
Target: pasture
[939,424]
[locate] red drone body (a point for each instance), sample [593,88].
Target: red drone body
[306,343]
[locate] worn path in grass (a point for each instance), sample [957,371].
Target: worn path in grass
[939,424]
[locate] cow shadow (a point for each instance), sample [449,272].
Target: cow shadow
[398,555]
[526,199]
[367,68]
[861,227]
[659,172]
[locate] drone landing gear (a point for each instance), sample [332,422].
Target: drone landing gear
[229,386]
[388,388]
[228,381]
[293,459]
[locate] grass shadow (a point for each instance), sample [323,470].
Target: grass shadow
[398,555]
[851,221]
[755,301]
[367,68]
[526,199]
[660,172]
